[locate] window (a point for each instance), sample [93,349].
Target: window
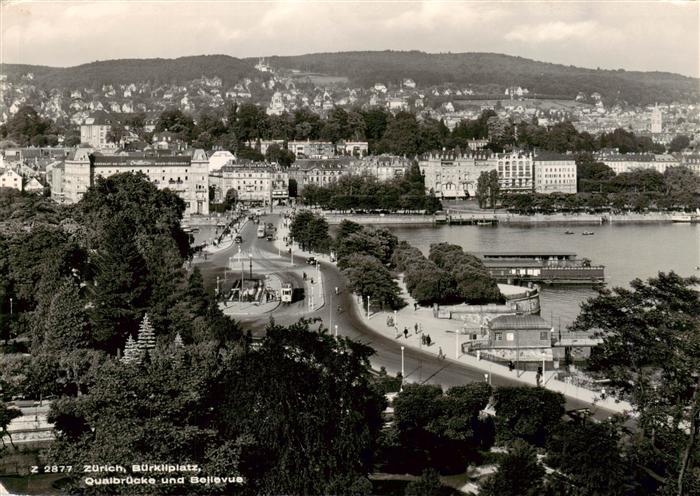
[544,336]
[510,336]
[498,336]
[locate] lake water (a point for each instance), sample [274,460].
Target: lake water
[627,251]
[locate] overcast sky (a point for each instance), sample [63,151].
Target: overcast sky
[633,35]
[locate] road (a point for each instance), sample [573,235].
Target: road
[419,367]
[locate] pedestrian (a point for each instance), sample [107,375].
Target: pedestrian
[511,366]
[428,340]
[405,332]
[440,354]
[422,340]
[415,327]
[539,376]
[415,306]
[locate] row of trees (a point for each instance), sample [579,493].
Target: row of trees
[448,276]
[602,189]
[366,192]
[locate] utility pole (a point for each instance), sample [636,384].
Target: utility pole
[368,307]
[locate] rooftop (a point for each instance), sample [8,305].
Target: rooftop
[519,322]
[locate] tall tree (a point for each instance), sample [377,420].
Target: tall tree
[651,338]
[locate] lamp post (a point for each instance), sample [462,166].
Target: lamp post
[240,291]
[457,344]
[403,372]
[336,330]
[10,306]
[367,307]
[250,257]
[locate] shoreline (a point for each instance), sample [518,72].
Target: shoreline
[501,218]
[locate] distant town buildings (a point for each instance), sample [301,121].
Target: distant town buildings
[657,125]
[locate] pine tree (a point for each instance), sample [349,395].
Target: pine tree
[147,337]
[178,341]
[131,351]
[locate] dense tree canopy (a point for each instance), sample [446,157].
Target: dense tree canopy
[650,351]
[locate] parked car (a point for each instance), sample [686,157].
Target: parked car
[239,240]
[311,260]
[269,237]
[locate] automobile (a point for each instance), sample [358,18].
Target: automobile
[269,238]
[311,260]
[239,240]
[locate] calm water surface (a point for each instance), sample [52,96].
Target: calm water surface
[627,251]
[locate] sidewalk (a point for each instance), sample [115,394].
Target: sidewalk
[226,242]
[445,338]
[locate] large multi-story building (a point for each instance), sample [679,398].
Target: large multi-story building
[94,131]
[383,167]
[629,161]
[187,175]
[515,171]
[555,173]
[318,172]
[312,149]
[254,184]
[454,176]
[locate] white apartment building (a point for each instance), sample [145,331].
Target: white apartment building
[515,171]
[259,184]
[555,173]
[454,176]
[186,175]
[384,168]
[629,161]
[11,179]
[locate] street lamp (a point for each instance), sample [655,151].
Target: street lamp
[336,330]
[10,306]
[367,307]
[250,257]
[403,372]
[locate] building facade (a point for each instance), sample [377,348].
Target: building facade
[311,149]
[318,172]
[186,175]
[11,179]
[629,161]
[253,184]
[555,173]
[454,176]
[384,168]
[515,171]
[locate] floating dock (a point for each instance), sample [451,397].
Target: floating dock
[541,267]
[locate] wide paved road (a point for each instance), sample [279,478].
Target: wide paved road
[419,367]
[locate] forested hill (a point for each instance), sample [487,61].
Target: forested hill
[125,71]
[485,72]
[426,69]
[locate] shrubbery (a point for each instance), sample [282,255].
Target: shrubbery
[449,276]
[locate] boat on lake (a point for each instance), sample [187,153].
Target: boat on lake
[587,233]
[569,232]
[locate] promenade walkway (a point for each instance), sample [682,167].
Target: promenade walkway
[446,341]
